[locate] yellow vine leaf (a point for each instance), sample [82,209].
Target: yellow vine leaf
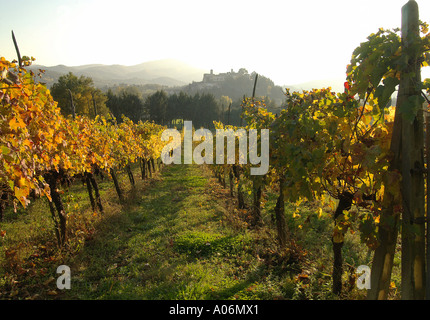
[21,194]
[16,124]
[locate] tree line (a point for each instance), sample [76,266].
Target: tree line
[78,96]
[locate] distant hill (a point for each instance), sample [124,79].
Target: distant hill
[167,72]
[175,76]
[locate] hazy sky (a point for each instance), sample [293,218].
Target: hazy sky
[288,41]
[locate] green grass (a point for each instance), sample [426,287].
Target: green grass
[28,252]
[173,243]
[177,236]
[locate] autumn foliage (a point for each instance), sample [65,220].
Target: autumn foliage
[38,142]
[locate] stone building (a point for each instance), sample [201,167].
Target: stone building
[213,78]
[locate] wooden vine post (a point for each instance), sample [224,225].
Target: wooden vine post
[407,147]
[257,182]
[428,208]
[281,224]
[412,160]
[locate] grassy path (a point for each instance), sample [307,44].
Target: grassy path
[177,236]
[175,240]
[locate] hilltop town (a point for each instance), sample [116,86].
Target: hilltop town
[236,85]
